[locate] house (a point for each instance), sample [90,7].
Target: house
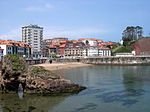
[15,47]
[89,41]
[54,46]
[96,51]
[74,49]
[90,51]
[61,49]
[103,51]
[142,46]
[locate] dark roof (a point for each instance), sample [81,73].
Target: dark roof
[32,26]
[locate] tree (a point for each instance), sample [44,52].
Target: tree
[87,42]
[132,33]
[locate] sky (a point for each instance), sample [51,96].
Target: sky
[102,19]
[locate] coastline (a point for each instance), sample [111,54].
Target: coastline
[63,66]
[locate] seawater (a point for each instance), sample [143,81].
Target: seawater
[109,89]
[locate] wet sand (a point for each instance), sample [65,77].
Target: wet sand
[62,66]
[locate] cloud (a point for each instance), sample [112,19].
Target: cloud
[40,8]
[73,33]
[14,34]
[59,31]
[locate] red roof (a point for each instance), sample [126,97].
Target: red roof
[13,43]
[63,45]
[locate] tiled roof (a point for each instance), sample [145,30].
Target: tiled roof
[81,39]
[52,46]
[63,45]
[143,44]
[14,43]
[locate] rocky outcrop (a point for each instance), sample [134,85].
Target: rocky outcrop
[39,80]
[16,75]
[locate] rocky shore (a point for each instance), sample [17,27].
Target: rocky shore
[18,76]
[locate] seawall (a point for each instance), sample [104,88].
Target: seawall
[113,60]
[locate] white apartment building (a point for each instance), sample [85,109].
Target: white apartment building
[96,51]
[33,35]
[90,51]
[104,52]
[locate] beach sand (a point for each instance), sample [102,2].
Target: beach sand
[62,66]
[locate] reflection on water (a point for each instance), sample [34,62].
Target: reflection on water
[126,98]
[12,103]
[109,88]
[20,94]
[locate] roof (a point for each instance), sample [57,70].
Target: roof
[32,26]
[52,46]
[81,39]
[143,44]
[14,43]
[63,45]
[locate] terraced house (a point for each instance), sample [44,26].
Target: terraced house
[74,49]
[15,47]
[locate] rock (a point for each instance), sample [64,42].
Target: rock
[46,82]
[34,79]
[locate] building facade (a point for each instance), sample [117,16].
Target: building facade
[74,49]
[33,35]
[1,53]
[54,47]
[89,41]
[104,52]
[96,51]
[90,51]
[15,47]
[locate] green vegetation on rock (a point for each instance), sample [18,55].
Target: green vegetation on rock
[15,63]
[33,79]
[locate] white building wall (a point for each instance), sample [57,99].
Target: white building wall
[90,52]
[91,42]
[104,52]
[36,37]
[5,50]
[1,54]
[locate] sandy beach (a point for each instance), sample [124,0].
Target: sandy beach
[61,66]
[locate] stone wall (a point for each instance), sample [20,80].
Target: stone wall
[35,61]
[135,60]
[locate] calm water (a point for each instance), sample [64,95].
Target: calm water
[109,89]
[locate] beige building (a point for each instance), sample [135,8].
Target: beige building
[74,49]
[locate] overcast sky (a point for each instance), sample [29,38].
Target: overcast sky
[103,19]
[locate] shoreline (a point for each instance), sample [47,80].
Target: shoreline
[63,66]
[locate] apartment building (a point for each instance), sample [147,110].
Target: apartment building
[33,35]
[15,47]
[104,51]
[54,46]
[74,49]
